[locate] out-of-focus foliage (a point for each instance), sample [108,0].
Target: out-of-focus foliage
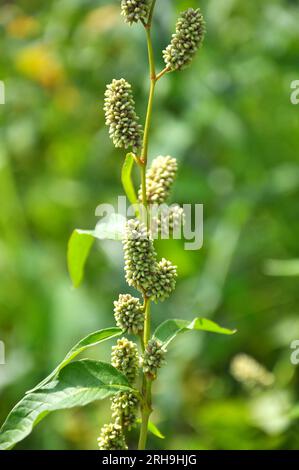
[229,121]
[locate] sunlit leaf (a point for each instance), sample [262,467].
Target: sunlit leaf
[169,329]
[89,341]
[78,384]
[152,428]
[79,247]
[127,179]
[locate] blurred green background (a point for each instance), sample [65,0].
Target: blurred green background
[229,121]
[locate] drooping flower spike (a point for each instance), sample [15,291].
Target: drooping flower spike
[159,179]
[129,314]
[135,10]
[124,408]
[112,438]
[187,39]
[153,358]
[125,358]
[121,116]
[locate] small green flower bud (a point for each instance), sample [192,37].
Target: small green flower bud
[124,409]
[140,256]
[159,179]
[125,358]
[153,358]
[112,438]
[135,10]
[164,281]
[189,35]
[129,314]
[121,116]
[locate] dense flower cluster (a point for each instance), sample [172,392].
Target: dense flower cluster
[112,438]
[155,279]
[124,409]
[140,256]
[121,116]
[249,372]
[129,314]
[188,37]
[159,179]
[164,281]
[168,220]
[153,358]
[135,10]
[125,358]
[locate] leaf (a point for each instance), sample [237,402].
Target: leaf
[169,329]
[79,246]
[153,429]
[127,180]
[91,340]
[81,241]
[78,384]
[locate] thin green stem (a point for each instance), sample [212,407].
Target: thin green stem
[147,321]
[162,73]
[146,391]
[145,414]
[144,152]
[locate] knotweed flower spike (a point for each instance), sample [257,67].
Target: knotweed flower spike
[159,179]
[164,281]
[112,438]
[135,10]
[153,358]
[168,220]
[188,37]
[125,358]
[129,314]
[140,256]
[121,116]
[155,279]
[124,408]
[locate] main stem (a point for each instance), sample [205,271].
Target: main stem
[146,407]
[146,391]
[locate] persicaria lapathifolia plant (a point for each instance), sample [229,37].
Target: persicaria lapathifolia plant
[135,364]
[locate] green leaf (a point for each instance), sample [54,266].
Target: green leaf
[78,384]
[79,246]
[89,341]
[127,179]
[153,429]
[169,329]
[81,241]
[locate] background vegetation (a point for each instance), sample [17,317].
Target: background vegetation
[229,121]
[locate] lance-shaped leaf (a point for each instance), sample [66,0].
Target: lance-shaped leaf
[127,179]
[78,384]
[169,329]
[81,242]
[153,429]
[89,341]
[79,247]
